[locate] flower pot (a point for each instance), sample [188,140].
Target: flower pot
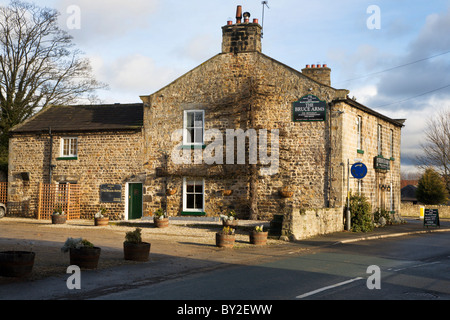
[161,223]
[85,257]
[59,218]
[101,221]
[230,223]
[258,238]
[225,240]
[136,251]
[286,193]
[16,263]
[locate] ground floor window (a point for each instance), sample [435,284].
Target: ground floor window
[193,196]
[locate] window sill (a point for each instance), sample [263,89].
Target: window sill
[194,146]
[66,158]
[193,213]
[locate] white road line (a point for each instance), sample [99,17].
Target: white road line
[327,288]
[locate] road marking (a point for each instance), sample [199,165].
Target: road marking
[417,266]
[327,288]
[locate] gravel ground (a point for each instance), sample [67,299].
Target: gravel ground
[183,238]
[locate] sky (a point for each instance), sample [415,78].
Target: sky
[393,55]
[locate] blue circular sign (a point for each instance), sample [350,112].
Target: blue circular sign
[358,170]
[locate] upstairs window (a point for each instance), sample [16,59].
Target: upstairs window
[359,133]
[69,147]
[379,140]
[194,127]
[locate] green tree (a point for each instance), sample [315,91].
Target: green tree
[431,188]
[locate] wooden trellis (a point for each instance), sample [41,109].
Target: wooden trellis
[3,192]
[64,196]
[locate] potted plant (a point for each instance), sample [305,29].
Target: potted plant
[229,219]
[101,218]
[82,253]
[134,248]
[258,236]
[58,216]
[225,238]
[160,218]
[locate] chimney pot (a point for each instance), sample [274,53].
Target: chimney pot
[313,66]
[229,22]
[325,65]
[239,14]
[255,21]
[318,66]
[307,66]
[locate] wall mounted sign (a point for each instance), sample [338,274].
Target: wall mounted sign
[309,108]
[110,193]
[358,170]
[381,163]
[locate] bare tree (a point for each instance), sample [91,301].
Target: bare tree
[39,64]
[436,149]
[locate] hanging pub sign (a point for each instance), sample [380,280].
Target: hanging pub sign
[111,193]
[309,108]
[381,163]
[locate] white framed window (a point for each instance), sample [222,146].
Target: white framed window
[193,195]
[194,127]
[392,143]
[69,147]
[379,140]
[359,133]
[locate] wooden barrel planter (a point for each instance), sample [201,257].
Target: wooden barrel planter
[161,223]
[258,238]
[136,251]
[16,263]
[59,218]
[85,257]
[230,223]
[101,221]
[225,240]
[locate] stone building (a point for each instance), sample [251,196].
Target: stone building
[233,132]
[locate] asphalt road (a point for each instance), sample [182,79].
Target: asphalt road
[404,268]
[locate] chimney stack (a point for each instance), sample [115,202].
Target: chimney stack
[241,37]
[320,73]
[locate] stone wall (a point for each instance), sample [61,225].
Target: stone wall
[305,223]
[109,157]
[247,91]
[413,210]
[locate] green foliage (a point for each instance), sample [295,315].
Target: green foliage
[76,244]
[431,188]
[134,236]
[227,230]
[382,213]
[361,213]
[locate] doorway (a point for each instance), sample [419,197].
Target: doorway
[134,201]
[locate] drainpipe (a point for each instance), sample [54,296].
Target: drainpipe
[50,168]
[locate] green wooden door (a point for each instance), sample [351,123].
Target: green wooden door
[134,201]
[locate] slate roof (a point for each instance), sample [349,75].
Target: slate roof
[104,117]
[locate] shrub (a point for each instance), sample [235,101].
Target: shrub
[431,188]
[361,213]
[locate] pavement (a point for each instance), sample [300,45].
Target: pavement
[185,248]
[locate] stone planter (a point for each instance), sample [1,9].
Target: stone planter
[225,240]
[258,238]
[85,257]
[59,218]
[136,251]
[161,223]
[101,221]
[16,263]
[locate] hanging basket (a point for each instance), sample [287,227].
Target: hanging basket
[286,193]
[171,191]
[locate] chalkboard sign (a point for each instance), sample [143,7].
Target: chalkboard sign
[110,193]
[309,108]
[431,218]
